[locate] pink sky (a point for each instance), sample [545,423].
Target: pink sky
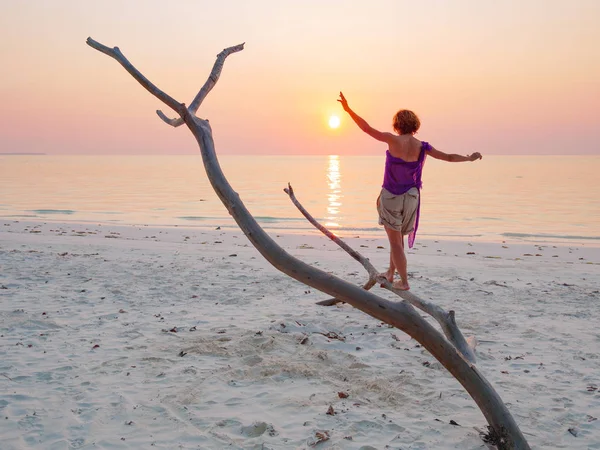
[509,77]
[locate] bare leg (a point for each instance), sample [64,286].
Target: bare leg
[398,257]
[390,272]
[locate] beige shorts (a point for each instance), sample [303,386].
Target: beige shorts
[398,212]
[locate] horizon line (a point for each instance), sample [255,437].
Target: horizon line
[268,154]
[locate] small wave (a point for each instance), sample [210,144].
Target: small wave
[20,215]
[53,211]
[453,235]
[477,219]
[194,218]
[279,219]
[550,236]
[358,229]
[339,231]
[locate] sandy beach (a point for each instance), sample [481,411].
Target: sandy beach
[131,337]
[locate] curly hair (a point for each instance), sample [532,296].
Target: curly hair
[406,122]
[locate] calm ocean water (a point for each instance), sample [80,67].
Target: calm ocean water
[540,198]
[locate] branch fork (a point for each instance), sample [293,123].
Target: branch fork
[208,85]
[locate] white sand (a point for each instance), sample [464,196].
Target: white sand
[133,337]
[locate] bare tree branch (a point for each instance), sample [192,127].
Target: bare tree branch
[173,122]
[210,83]
[399,314]
[334,301]
[373,274]
[150,87]
[445,319]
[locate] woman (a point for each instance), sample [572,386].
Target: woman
[399,201]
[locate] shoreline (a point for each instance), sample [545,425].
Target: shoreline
[374,233]
[131,337]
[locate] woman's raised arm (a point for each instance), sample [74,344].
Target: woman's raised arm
[362,123]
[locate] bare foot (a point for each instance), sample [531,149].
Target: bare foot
[388,276]
[400,286]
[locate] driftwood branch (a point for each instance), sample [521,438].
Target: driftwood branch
[210,83]
[399,314]
[445,319]
[116,54]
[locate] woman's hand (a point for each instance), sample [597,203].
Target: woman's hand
[475,156]
[344,102]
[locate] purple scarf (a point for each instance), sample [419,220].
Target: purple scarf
[401,176]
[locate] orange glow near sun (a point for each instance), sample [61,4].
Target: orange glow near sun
[334,121]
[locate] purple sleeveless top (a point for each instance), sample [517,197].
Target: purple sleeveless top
[400,176]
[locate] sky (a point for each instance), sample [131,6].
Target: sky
[499,77]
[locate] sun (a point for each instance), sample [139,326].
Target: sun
[334,121]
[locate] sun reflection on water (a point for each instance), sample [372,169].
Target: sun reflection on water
[334,196]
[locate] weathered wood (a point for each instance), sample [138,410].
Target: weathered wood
[399,314]
[334,301]
[116,54]
[210,83]
[329,302]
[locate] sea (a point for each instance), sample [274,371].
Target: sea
[526,198]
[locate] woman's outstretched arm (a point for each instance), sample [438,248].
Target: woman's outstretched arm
[362,123]
[453,157]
